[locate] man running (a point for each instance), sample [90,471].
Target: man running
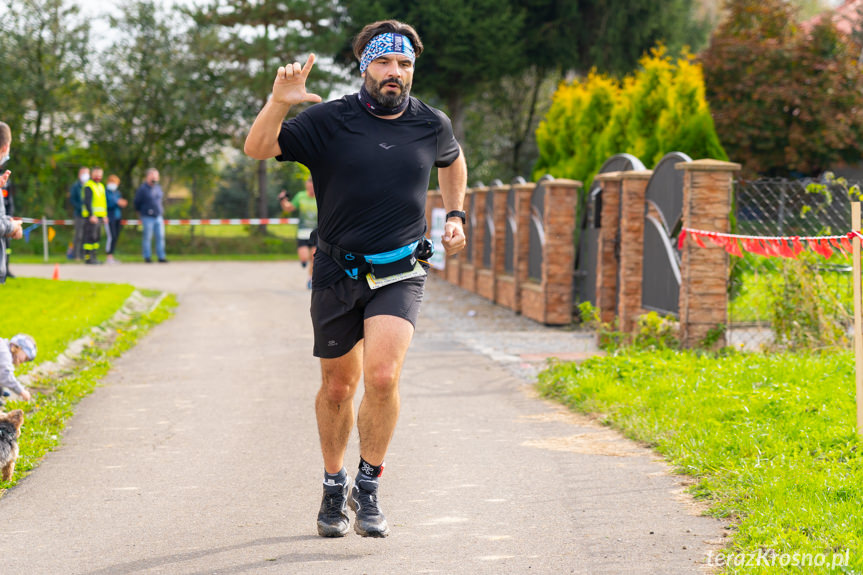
[305,202]
[370,155]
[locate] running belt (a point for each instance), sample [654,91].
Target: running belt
[381,265]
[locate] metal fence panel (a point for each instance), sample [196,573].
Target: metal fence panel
[489,230]
[662,219]
[537,232]
[584,275]
[790,302]
[471,214]
[511,229]
[661,287]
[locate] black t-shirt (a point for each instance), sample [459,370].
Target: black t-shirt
[371,175]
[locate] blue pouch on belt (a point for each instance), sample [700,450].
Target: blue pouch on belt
[393,262]
[401,260]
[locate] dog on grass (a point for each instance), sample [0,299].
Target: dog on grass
[10,430]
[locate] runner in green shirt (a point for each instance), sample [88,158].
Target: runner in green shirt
[307,205]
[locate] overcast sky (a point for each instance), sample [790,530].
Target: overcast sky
[104,7]
[97,7]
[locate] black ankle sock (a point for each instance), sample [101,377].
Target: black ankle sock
[335,482]
[369,474]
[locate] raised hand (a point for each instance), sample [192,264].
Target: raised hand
[289,89]
[290,84]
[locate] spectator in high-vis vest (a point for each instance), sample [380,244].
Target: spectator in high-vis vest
[94,208]
[76,199]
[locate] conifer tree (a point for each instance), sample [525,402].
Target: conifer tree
[255,38]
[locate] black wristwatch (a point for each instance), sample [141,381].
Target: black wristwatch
[457,214]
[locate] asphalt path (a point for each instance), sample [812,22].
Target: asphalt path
[199,454]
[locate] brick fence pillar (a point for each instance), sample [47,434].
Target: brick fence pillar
[522,237]
[707,189]
[550,301]
[498,252]
[453,269]
[486,275]
[633,187]
[607,264]
[509,283]
[475,208]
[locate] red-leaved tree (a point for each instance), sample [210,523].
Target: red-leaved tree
[784,100]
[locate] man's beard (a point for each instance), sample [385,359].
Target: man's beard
[388,99]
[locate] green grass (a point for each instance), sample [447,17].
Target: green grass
[232,257]
[47,413]
[136,258]
[209,242]
[755,299]
[221,231]
[770,439]
[56,312]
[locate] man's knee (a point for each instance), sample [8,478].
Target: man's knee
[337,393]
[338,388]
[382,378]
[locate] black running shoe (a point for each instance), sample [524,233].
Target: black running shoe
[370,520]
[333,521]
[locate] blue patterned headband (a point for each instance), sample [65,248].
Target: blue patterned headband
[383,44]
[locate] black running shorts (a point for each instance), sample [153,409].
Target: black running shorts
[311,242]
[338,311]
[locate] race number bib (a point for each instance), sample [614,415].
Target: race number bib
[375,282]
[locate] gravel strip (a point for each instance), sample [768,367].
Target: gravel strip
[520,344]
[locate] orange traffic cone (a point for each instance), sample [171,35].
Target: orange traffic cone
[56,275]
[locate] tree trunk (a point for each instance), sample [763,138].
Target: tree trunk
[262,165]
[524,134]
[456,114]
[262,194]
[193,211]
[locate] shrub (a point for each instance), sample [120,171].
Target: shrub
[806,313]
[654,331]
[662,108]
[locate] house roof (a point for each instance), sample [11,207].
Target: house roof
[846,17]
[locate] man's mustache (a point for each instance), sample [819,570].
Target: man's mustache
[392,81]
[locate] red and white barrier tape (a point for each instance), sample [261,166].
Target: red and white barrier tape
[189,222]
[771,246]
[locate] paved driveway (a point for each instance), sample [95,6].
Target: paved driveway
[199,455]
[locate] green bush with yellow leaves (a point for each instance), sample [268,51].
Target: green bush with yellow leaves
[659,109]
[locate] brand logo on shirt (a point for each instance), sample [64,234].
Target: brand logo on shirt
[386,146]
[332,343]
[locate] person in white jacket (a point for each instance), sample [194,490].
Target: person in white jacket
[13,352]
[9,228]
